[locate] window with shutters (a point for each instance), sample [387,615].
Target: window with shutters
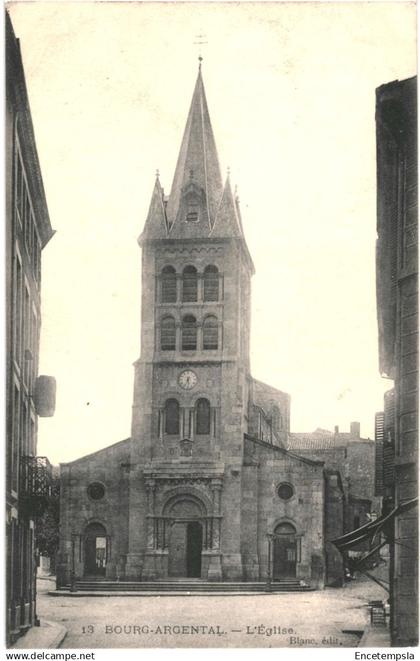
[27,335]
[17,312]
[189,333]
[202,417]
[20,186]
[24,212]
[167,334]
[189,284]
[171,417]
[211,283]
[168,285]
[210,333]
[16,439]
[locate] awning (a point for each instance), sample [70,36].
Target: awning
[370,530]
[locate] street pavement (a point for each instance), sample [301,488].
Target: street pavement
[325,618]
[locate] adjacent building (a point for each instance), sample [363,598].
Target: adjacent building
[397,300]
[28,231]
[353,459]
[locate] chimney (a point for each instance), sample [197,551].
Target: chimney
[355,429]
[336,429]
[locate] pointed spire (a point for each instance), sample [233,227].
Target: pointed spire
[155,226]
[198,154]
[238,208]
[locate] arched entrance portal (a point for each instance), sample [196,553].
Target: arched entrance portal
[95,547]
[284,551]
[186,537]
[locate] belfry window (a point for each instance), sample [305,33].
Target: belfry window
[211,283]
[210,333]
[168,285]
[202,419]
[189,333]
[189,284]
[167,334]
[192,212]
[171,417]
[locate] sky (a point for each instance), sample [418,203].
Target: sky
[291,94]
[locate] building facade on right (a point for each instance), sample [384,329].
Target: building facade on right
[397,297]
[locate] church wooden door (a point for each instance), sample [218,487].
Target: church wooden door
[194,548]
[185,546]
[284,552]
[95,550]
[177,554]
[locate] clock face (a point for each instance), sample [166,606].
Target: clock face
[187,379]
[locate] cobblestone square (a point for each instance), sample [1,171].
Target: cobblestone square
[315,619]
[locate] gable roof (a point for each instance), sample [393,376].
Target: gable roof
[126,441]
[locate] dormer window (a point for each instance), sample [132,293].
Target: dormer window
[192,212]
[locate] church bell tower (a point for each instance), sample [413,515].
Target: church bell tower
[192,377]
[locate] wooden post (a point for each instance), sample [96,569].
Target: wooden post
[73,570]
[269,577]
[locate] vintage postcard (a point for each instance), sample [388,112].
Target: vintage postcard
[211,244]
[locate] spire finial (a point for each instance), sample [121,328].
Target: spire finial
[200,42]
[228,171]
[157,173]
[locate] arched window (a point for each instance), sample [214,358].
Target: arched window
[276,418]
[189,333]
[168,285]
[189,284]
[210,333]
[171,416]
[211,283]
[167,334]
[202,417]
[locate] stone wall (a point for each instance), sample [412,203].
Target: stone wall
[334,527]
[109,467]
[266,468]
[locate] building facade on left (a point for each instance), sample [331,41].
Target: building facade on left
[28,395]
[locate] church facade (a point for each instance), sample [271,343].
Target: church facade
[205,487]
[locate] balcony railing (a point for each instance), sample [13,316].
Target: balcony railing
[35,483]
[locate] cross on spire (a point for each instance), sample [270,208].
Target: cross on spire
[200,42]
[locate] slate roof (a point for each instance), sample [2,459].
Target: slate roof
[198,160]
[322,439]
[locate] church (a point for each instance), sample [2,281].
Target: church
[207,486]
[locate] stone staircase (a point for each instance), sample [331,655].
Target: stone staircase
[185,586]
